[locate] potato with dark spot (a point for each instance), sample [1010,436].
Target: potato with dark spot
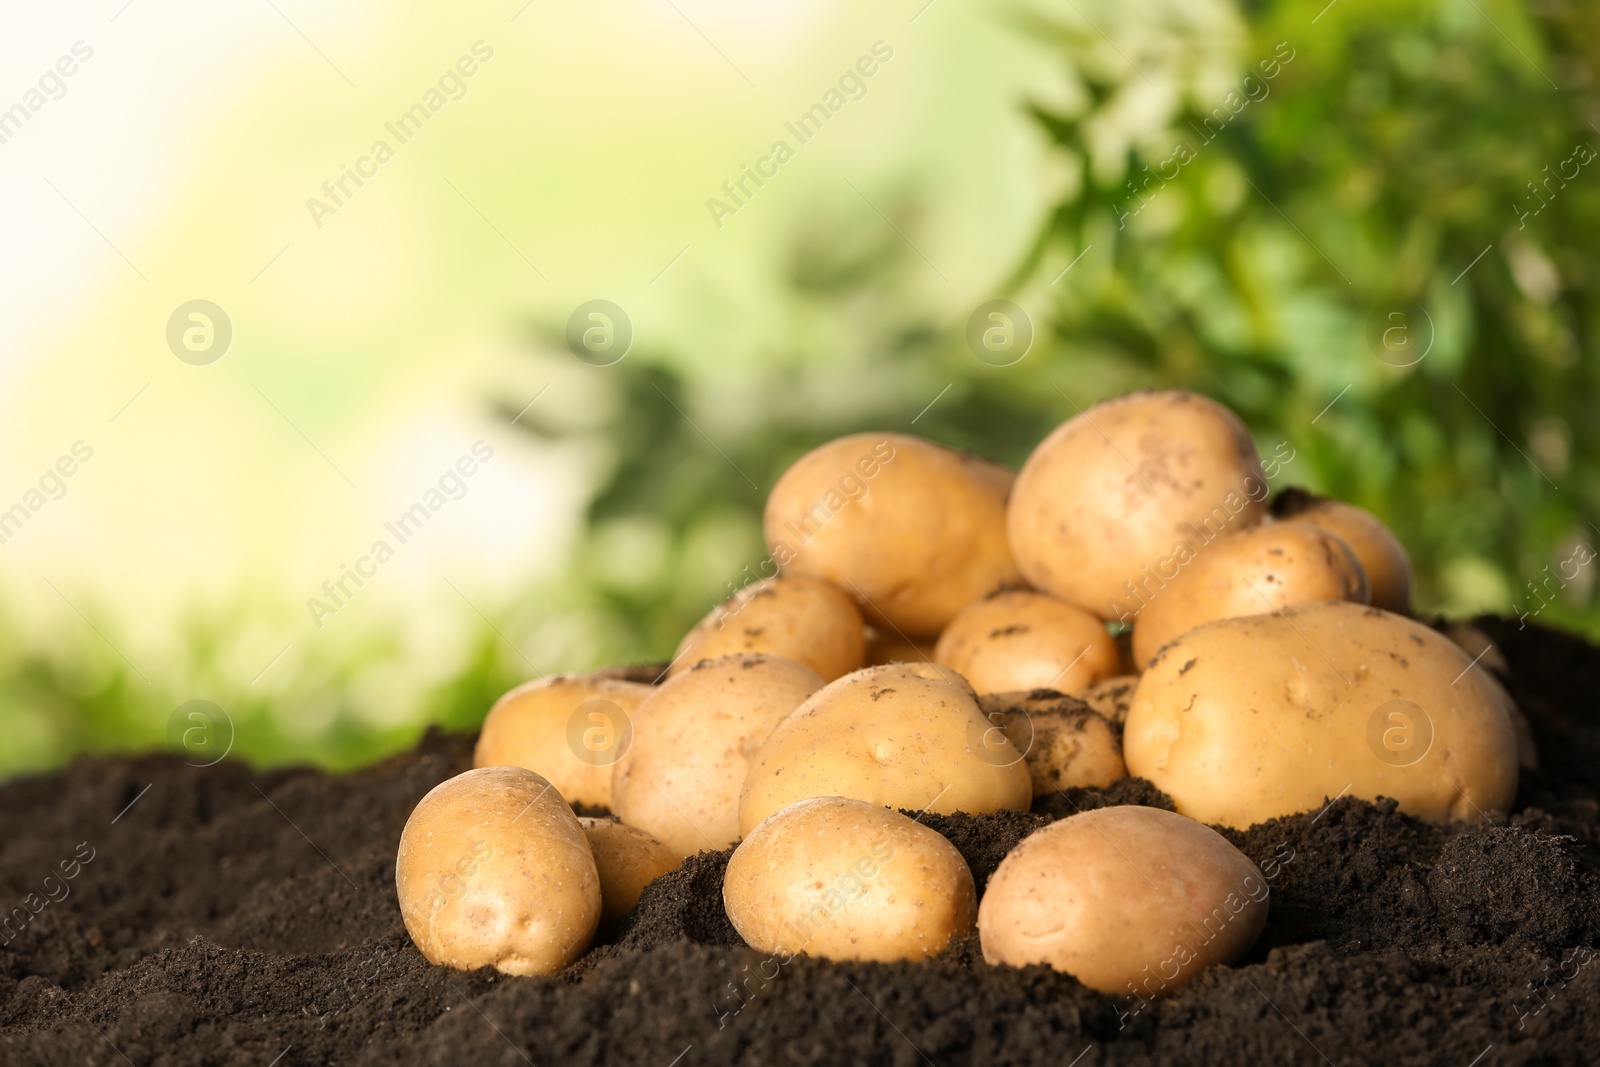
[628,859]
[1112,697]
[1382,556]
[798,618]
[1262,569]
[1066,744]
[1019,640]
[1111,496]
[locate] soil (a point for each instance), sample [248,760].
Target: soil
[225,915]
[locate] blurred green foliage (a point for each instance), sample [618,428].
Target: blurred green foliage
[1245,199]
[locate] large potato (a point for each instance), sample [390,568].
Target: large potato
[911,529]
[1018,640]
[494,870]
[904,735]
[847,880]
[569,728]
[803,619]
[692,742]
[1127,900]
[1382,555]
[628,859]
[1110,498]
[1064,742]
[1258,570]
[1246,719]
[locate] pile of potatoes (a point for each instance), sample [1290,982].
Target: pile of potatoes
[941,634]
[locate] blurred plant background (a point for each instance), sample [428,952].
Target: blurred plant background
[1370,229]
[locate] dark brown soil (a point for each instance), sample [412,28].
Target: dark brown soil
[234,916]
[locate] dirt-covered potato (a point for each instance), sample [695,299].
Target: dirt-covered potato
[911,529]
[692,742]
[1066,742]
[1382,555]
[494,870]
[1018,640]
[627,859]
[1112,697]
[1128,900]
[847,880]
[798,618]
[904,735]
[1257,570]
[1110,499]
[892,648]
[570,728]
[1246,719]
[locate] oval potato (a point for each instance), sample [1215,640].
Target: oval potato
[627,859]
[1247,719]
[903,735]
[1065,743]
[1111,495]
[847,880]
[798,618]
[1382,556]
[494,871]
[1018,640]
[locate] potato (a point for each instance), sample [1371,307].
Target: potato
[802,619]
[904,735]
[1127,900]
[1485,653]
[1019,640]
[628,859]
[1111,498]
[1257,570]
[1246,719]
[892,648]
[692,742]
[911,529]
[848,880]
[1112,697]
[1067,744]
[1382,555]
[494,871]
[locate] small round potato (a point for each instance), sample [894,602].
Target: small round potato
[1258,570]
[692,742]
[1247,719]
[1019,640]
[494,871]
[1067,743]
[1127,900]
[904,735]
[798,618]
[911,529]
[847,880]
[1382,555]
[628,859]
[892,648]
[1111,497]
[569,728]
[1112,697]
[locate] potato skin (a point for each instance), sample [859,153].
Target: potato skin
[1109,495]
[847,880]
[1112,698]
[692,742]
[627,859]
[911,529]
[1251,572]
[1066,743]
[1382,556]
[539,725]
[494,870]
[1128,900]
[904,735]
[1018,640]
[798,618]
[892,648]
[1246,719]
